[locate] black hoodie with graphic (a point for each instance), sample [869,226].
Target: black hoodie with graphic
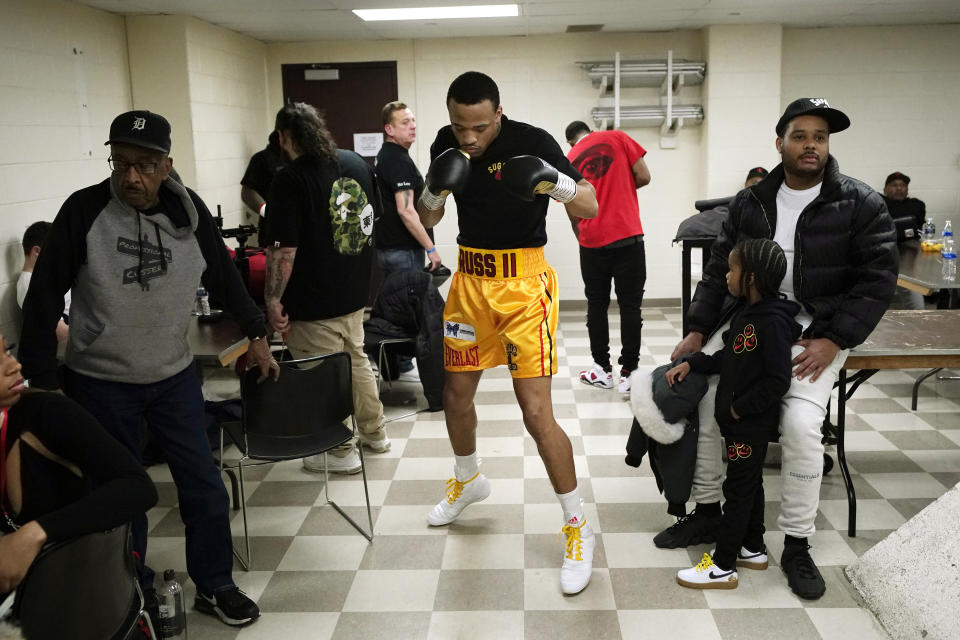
[754,367]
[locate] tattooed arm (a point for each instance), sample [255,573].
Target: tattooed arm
[407,209]
[279,267]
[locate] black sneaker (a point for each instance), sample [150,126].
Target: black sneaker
[232,606]
[802,574]
[688,530]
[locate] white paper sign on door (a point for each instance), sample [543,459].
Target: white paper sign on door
[367,144]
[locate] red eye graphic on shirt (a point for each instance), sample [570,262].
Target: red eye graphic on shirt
[594,163]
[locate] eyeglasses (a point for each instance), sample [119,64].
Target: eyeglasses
[122,166]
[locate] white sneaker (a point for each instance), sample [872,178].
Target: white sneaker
[707,575]
[459,495]
[756,560]
[377,446]
[348,464]
[624,386]
[595,376]
[578,557]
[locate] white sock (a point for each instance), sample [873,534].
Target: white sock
[572,506]
[465,467]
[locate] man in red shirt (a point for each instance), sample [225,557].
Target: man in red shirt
[611,245]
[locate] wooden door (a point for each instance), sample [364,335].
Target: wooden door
[350,95]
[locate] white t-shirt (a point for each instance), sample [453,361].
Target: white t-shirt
[23,283]
[790,204]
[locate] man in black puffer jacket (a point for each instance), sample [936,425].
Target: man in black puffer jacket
[840,245]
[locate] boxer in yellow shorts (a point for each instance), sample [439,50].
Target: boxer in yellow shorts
[501,310]
[502,305]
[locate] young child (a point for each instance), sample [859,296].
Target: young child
[755,370]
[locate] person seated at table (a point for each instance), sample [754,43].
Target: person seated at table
[32,243]
[908,215]
[754,176]
[61,474]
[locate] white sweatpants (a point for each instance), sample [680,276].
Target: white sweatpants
[802,411]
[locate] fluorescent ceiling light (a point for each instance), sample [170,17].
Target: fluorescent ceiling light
[439,13]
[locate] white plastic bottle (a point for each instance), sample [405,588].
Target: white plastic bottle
[173,615]
[949,259]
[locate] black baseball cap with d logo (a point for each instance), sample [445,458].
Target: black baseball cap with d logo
[837,120]
[141,129]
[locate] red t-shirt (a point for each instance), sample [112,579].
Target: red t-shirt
[606,159]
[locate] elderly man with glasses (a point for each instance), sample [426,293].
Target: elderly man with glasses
[134,249]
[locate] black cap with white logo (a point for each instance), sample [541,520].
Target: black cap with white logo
[837,120]
[141,129]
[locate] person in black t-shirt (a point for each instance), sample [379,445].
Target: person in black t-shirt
[502,304]
[401,238]
[255,184]
[321,210]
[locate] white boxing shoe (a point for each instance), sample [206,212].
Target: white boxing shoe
[459,495]
[578,556]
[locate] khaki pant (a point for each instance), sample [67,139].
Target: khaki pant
[307,338]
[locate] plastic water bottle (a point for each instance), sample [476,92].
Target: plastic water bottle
[947,230]
[949,258]
[929,230]
[202,304]
[173,615]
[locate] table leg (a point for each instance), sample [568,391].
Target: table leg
[685,282]
[842,456]
[916,386]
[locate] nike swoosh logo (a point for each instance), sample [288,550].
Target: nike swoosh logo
[722,575]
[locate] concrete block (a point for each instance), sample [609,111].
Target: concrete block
[911,580]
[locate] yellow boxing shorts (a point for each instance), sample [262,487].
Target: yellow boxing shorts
[502,309]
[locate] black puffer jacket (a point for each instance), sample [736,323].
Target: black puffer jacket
[846,261]
[409,306]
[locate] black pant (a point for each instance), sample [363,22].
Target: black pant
[742,521]
[627,266]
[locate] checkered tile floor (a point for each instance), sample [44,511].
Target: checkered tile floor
[494,572]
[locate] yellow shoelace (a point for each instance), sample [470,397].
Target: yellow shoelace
[574,543]
[705,563]
[455,488]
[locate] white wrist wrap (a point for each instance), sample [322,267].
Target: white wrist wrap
[566,189]
[432,201]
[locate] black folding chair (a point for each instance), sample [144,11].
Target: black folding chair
[299,415]
[85,588]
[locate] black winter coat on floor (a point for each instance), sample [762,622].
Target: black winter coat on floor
[409,306]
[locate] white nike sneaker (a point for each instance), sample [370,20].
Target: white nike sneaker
[707,575]
[595,376]
[624,386]
[756,560]
[459,495]
[578,557]
[377,446]
[348,464]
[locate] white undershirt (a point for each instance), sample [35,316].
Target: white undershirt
[23,283]
[790,204]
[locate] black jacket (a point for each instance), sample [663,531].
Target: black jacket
[409,306]
[846,261]
[908,216]
[754,367]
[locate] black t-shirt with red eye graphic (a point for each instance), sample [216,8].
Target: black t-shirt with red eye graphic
[754,367]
